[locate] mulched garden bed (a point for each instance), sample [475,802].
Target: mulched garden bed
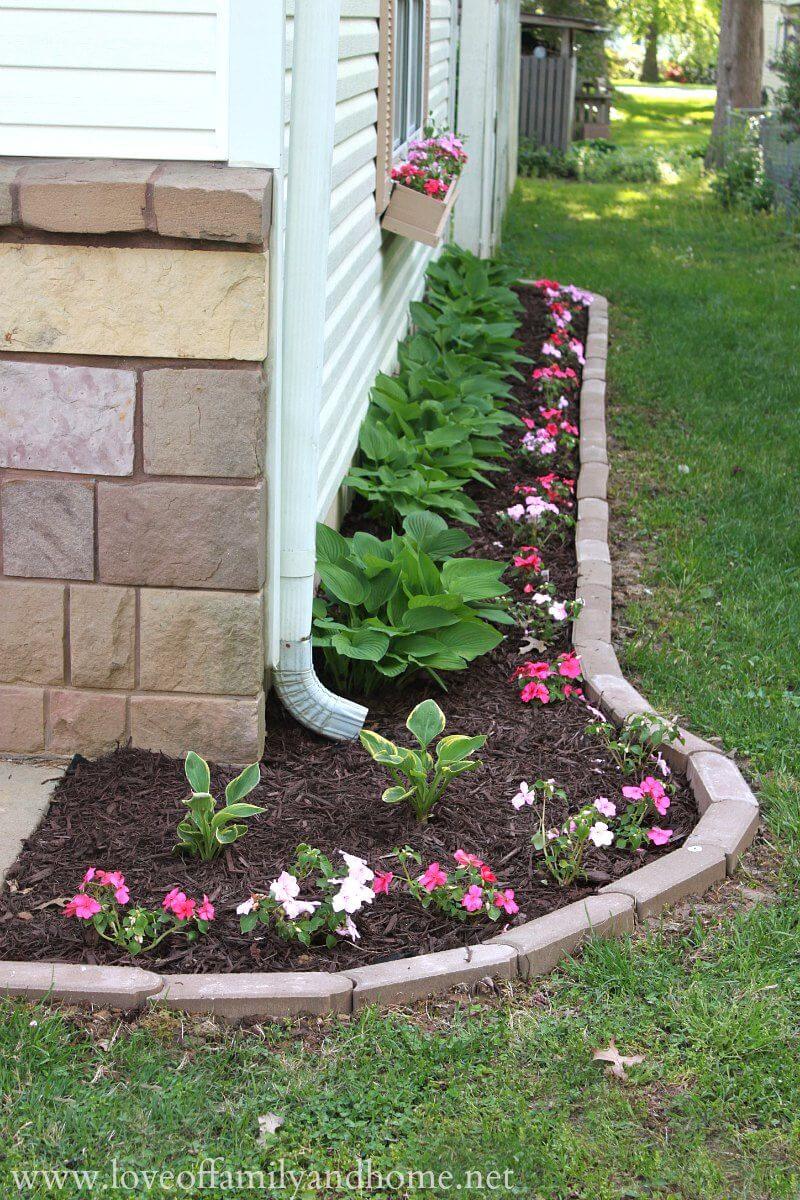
[121,811]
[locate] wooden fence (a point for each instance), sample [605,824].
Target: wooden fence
[547,100]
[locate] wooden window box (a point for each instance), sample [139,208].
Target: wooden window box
[417,216]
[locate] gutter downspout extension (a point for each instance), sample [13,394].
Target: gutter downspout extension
[313,115]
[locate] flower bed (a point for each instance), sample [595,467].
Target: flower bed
[121,813]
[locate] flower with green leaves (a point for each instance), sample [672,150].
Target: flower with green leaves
[419,777]
[207,829]
[637,742]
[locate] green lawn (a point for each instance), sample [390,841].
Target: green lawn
[669,115]
[704,414]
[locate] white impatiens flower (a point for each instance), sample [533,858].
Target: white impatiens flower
[284,888]
[541,598]
[600,834]
[348,930]
[558,610]
[357,868]
[352,895]
[524,796]
[299,908]
[246,906]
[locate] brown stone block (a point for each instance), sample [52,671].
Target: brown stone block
[102,633]
[48,528]
[198,200]
[31,632]
[89,723]
[221,729]
[196,641]
[21,720]
[182,535]
[79,195]
[204,422]
[404,980]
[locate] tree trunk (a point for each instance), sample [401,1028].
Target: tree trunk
[650,64]
[739,63]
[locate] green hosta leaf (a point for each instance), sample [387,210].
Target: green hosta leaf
[343,582]
[429,617]
[426,722]
[201,803]
[395,795]
[391,666]
[380,748]
[474,578]
[243,784]
[470,638]
[457,746]
[331,546]
[235,812]
[229,834]
[369,645]
[197,772]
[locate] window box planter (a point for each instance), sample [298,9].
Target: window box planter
[417,216]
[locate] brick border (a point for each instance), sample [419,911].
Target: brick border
[728,824]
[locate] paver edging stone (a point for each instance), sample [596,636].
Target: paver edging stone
[729,820]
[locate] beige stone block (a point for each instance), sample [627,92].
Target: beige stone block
[155,302]
[264,994]
[685,872]
[542,943]
[197,641]
[204,422]
[21,720]
[729,824]
[31,632]
[198,200]
[223,730]
[89,723]
[25,792]
[182,535]
[111,987]
[404,980]
[102,635]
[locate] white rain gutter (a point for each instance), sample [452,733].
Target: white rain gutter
[313,115]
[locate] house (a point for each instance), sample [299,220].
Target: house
[781,23]
[196,293]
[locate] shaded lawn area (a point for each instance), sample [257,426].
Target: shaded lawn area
[669,116]
[704,376]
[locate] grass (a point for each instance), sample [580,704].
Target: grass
[704,387]
[668,116]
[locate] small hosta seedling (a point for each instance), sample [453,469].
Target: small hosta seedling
[206,829]
[418,777]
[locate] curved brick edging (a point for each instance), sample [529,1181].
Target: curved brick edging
[728,823]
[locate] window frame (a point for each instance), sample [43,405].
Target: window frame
[390,149]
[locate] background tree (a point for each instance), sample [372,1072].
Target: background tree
[652,21]
[739,63]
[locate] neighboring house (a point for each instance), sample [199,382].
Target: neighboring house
[187,346]
[781,22]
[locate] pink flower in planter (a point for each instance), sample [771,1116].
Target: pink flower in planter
[659,837]
[536,670]
[82,906]
[432,877]
[569,690]
[569,665]
[605,806]
[532,560]
[472,899]
[178,903]
[506,901]
[382,882]
[535,691]
[206,910]
[652,789]
[487,874]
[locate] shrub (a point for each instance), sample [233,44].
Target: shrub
[740,182]
[390,609]
[207,829]
[787,97]
[419,778]
[601,161]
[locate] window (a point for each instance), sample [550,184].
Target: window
[403,83]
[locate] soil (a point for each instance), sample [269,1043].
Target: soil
[121,811]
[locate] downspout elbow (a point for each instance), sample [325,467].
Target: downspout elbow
[309,701]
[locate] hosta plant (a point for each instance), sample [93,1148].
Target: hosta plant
[390,609]
[207,829]
[468,890]
[325,913]
[103,900]
[420,778]
[486,287]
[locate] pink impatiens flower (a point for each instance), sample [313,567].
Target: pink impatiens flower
[605,806]
[178,903]
[659,837]
[381,883]
[206,910]
[432,877]
[651,789]
[472,899]
[465,859]
[535,691]
[569,665]
[524,796]
[82,906]
[505,900]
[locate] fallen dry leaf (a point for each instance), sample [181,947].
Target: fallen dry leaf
[616,1062]
[268,1125]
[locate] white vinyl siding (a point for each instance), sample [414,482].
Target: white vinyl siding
[372,276]
[132,79]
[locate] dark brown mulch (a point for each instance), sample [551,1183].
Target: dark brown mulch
[121,812]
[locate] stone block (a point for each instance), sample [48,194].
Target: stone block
[685,872]
[223,730]
[66,418]
[31,632]
[48,528]
[593,390]
[730,825]
[268,995]
[589,549]
[597,345]
[542,943]
[9,169]
[620,700]
[102,635]
[151,301]
[89,723]
[182,535]
[197,641]
[715,778]
[593,623]
[593,481]
[204,422]
[594,573]
[595,368]
[678,753]
[198,200]
[594,530]
[84,195]
[592,509]
[25,793]
[124,988]
[21,720]
[597,659]
[406,979]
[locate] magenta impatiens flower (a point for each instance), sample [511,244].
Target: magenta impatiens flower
[569,665]
[82,906]
[382,882]
[535,691]
[179,904]
[659,837]
[432,878]
[472,900]
[206,910]
[505,899]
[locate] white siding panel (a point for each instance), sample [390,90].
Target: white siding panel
[146,78]
[357,187]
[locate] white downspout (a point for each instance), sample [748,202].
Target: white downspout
[313,114]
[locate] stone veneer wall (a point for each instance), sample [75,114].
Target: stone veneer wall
[133,327]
